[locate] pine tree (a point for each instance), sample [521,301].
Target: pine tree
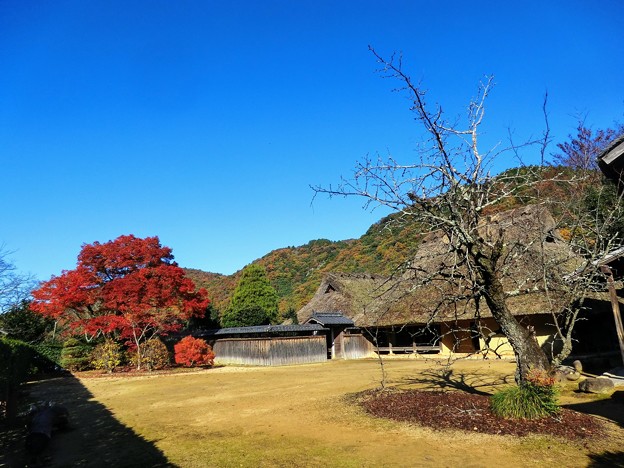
[254,301]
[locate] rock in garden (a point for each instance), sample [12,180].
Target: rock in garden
[598,385]
[573,376]
[563,373]
[578,367]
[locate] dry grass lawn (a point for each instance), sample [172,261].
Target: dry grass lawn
[292,416]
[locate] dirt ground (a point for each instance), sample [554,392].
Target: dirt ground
[296,416]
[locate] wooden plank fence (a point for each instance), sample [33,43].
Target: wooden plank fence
[275,351]
[410,349]
[357,347]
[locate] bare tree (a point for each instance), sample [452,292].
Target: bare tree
[581,151]
[14,287]
[479,255]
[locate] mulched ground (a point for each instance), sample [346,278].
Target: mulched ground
[469,412]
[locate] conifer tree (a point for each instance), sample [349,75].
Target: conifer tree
[254,301]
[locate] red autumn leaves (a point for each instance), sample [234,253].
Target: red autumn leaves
[128,287]
[193,352]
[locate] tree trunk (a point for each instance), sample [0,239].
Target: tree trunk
[11,402]
[139,357]
[138,349]
[529,354]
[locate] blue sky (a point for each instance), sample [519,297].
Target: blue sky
[205,122]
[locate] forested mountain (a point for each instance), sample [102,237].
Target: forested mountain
[296,272]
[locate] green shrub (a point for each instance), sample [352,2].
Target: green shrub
[536,398]
[154,355]
[48,355]
[75,355]
[106,356]
[16,358]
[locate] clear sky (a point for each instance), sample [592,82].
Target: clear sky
[205,122]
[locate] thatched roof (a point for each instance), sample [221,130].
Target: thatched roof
[434,289]
[611,161]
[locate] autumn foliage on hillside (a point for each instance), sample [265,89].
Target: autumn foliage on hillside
[296,272]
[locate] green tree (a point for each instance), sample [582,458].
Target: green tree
[21,323]
[291,314]
[254,301]
[76,355]
[209,321]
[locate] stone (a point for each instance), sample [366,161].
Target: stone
[573,376]
[578,367]
[597,385]
[565,373]
[616,376]
[559,376]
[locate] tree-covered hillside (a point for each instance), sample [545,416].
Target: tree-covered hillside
[296,272]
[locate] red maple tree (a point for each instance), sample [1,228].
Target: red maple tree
[191,351]
[129,288]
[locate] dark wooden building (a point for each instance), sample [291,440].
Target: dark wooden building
[611,161]
[344,340]
[268,345]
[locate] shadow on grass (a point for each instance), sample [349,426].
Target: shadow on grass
[608,408]
[475,383]
[606,460]
[94,438]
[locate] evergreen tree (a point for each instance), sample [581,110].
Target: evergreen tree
[21,323]
[254,301]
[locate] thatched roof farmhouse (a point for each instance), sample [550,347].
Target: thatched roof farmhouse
[432,291]
[611,161]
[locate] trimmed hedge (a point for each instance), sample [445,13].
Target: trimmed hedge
[48,356]
[16,358]
[16,362]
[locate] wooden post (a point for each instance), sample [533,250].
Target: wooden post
[615,305]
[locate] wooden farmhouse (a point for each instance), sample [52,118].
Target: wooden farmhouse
[427,309]
[399,325]
[431,308]
[611,161]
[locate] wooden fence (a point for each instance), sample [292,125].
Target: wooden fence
[276,351]
[356,347]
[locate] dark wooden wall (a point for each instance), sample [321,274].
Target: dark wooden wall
[356,347]
[275,351]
